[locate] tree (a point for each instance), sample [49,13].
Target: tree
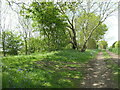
[69,11]
[72,8]
[36,45]
[25,32]
[113,45]
[3,26]
[92,44]
[117,44]
[24,26]
[84,29]
[11,43]
[102,44]
[3,43]
[101,9]
[47,19]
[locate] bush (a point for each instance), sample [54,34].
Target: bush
[117,44]
[11,43]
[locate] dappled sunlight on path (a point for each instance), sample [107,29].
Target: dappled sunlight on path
[98,75]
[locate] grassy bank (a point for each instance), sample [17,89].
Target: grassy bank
[114,66]
[115,50]
[58,69]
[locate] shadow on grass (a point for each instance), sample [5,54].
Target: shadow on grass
[114,65]
[62,69]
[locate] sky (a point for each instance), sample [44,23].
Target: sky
[112,34]
[112,23]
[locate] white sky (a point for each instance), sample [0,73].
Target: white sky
[112,23]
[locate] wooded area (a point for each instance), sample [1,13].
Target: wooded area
[77,25]
[53,40]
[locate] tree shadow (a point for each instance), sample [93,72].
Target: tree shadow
[61,70]
[102,73]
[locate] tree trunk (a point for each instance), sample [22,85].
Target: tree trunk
[26,50]
[84,45]
[4,53]
[74,43]
[74,39]
[3,43]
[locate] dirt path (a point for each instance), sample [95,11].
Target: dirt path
[98,75]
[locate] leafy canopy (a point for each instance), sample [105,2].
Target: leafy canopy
[51,24]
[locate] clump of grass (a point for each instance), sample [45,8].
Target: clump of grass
[115,50]
[106,55]
[112,65]
[58,69]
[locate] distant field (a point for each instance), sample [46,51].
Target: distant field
[58,69]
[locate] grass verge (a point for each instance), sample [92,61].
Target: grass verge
[58,69]
[115,50]
[114,66]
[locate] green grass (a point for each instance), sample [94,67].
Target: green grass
[114,66]
[115,50]
[105,54]
[116,72]
[58,69]
[1,54]
[0,75]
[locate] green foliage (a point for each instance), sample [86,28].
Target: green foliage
[91,44]
[116,73]
[58,69]
[85,23]
[113,66]
[48,21]
[102,44]
[90,19]
[115,50]
[12,43]
[35,45]
[99,32]
[117,44]
[113,45]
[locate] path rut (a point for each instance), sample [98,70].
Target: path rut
[98,75]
